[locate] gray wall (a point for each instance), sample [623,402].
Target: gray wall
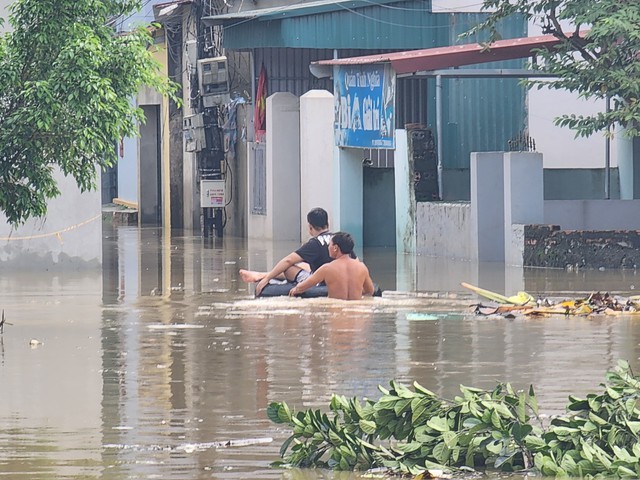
[379,215]
[579,183]
[593,214]
[559,184]
[150,204]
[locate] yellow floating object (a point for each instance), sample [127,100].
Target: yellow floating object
[521,298]
[583,309]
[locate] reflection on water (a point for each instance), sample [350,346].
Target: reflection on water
[148,368]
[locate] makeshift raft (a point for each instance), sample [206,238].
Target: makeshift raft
[282,289]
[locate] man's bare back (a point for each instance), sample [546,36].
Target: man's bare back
[346,278]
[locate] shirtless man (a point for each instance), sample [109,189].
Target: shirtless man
[346,278]
[298,265]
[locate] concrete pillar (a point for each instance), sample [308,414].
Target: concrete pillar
[318,164]
[523,199]
[628,156]
[487,206]
[190,197]
[405,197]
[625,164]
[281,220]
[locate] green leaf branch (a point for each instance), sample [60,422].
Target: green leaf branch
[412,431]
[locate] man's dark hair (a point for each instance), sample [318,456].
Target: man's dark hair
[318,218]
[344,241]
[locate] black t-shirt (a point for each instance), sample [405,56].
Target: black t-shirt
[316,251]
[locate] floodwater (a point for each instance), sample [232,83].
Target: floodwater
[163,364]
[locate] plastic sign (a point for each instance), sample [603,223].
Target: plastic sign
[364,106]
[212,194]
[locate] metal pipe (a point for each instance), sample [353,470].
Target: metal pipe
[439,131]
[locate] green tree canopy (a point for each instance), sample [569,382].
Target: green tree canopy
[66,84]
[602,61]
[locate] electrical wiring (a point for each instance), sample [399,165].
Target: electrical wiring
[393,24]
[139,11]
[460,7]
[229,174]
[284,7]
[393,7]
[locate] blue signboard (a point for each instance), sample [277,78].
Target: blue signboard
[364,106]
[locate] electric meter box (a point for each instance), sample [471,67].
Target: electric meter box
[194,136]
[212,193]
[213,79]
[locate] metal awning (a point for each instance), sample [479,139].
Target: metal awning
[429,59]
[441,62]
[288,11]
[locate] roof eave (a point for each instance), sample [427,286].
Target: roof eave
[453,56]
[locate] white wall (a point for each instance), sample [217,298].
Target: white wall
[318,165]
[487,206]
[444,229]
[404,196]
[282,219]
[69,237]
[558,145]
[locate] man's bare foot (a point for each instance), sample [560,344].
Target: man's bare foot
[250,276]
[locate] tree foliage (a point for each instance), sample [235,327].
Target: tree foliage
[602,61]
[66,84]
[414,431]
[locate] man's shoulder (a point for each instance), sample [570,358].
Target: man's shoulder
[324,238]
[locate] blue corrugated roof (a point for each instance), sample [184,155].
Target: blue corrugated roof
[402,25]
[295,10]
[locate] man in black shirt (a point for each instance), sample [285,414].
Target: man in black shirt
[298,265]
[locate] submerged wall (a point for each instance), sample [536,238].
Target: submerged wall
[444,229]
[69,237]
[548,246]
[508,221]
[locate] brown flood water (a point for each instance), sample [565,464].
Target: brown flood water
[144,368]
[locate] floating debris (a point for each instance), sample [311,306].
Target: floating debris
[173,326]
[421,316]
[596,303]
[192,447]
[3,321]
